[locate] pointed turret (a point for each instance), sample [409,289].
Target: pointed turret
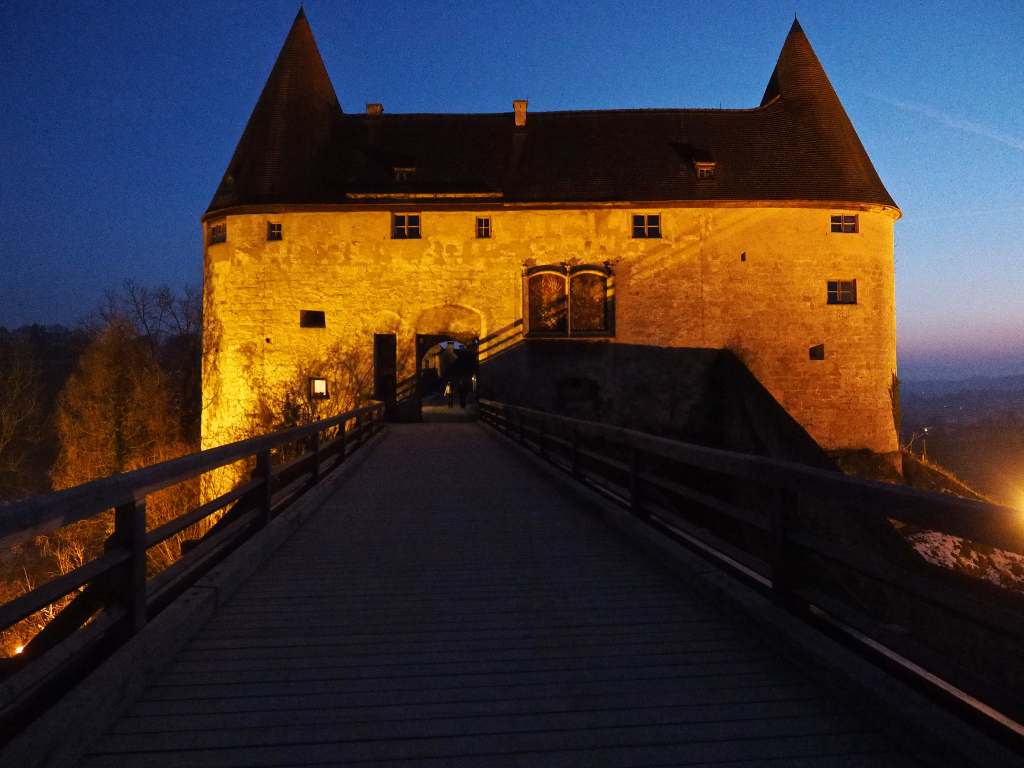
[281,154]
[798,73]
[825,137]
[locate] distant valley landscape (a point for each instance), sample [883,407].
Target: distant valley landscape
[973,427]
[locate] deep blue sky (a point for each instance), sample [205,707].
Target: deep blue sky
[119,118]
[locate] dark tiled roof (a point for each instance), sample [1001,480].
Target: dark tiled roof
[798,144]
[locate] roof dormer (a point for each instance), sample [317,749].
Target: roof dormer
[705,169]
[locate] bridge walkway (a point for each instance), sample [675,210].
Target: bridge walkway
[451,605]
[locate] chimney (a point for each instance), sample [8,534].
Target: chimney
[375,109]
[519,105]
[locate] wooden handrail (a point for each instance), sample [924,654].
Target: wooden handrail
[992,524]
[43,514]
[761,518]
[115,583]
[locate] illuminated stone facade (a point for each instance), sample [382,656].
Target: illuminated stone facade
[747,275]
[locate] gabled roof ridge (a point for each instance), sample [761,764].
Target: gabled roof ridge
[613,111]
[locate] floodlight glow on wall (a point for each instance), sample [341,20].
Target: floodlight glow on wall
[318,389]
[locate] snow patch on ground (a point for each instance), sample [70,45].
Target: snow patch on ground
[995,565]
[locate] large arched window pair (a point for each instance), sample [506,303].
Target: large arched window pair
[569,301]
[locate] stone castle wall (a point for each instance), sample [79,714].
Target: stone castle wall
[751,279]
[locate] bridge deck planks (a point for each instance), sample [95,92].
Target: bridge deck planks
[451,606]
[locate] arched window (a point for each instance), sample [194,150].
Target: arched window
[564,301]
[547,301]
[588,300]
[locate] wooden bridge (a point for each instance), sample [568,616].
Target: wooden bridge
[522,590]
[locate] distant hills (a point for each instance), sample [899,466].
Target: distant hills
[943,387]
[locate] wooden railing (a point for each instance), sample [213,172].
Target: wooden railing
[827,547]
[112,598]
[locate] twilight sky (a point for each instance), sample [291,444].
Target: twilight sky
[119,119]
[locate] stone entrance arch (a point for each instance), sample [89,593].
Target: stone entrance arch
[451,320]
[446,322]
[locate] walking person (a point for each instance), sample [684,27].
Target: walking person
[449,393]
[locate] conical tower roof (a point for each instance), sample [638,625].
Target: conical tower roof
[824,139]
[283,150]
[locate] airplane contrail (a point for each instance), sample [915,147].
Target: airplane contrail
[952,121]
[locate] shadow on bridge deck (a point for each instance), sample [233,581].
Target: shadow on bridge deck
[435,409]
[451,605]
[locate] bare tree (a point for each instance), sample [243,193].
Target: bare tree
[157,314]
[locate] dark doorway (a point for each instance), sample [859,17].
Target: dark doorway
[444,360]
[385,372]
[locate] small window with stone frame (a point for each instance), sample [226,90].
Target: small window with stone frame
[842,291]
[312,318]
[483,227]
[846,224]
[274,231]
[646,225]
[405,226]
[217,232]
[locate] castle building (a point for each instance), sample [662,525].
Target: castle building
[763,231]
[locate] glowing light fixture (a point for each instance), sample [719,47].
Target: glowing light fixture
[318,389]
[19,649]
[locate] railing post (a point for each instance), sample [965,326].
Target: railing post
[343,440]
[781,551]
[575,435]
[264,472]
[635,502]
[316,457]
[130,581]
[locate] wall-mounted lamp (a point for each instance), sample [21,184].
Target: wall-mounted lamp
[318,389]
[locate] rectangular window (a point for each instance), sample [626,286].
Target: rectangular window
[847,224]
[647,225]
[705,170]
[483,227]
[274,231]
[312,318]
[842,291]
[217,233]
[405,226]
